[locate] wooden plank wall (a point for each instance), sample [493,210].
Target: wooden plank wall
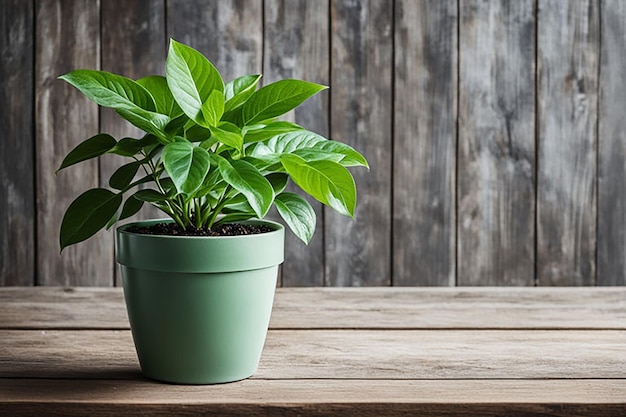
[494,130]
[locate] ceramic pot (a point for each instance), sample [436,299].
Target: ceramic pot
[199,307]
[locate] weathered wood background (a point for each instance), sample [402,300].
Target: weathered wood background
[496,130]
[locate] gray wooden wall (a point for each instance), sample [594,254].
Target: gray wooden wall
[496,130]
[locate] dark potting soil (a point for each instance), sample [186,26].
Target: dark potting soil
[172,229]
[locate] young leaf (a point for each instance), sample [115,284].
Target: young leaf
[246,179]
[161,94]
[228,134]
[91,148]
[213,108]
[326,181]
[298,214]
[261,132]
[277,98]
[191,79]
[237,91]
[124,175]
[89,213]
[187,165]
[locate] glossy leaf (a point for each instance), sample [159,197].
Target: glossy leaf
[298,214]
[326,181]
[91,148]
[110,90]
[278,98]
[131,207]
[131,147]
[161,94]
[228,134]
[261,132]
[89,213]
[213,108]
[237,91]
[150,196]
[246,179]
[191,79]
[187,165]
[310,142]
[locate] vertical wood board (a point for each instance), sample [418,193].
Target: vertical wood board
[568,52]
[496,151]
[67,38]
[611,267]
[133,45]
[358,252]
[17,194]
[228,32]
[296,45]
[424,164]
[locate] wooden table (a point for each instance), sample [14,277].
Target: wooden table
[331,351]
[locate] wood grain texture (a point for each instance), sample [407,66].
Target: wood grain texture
[228,32]
[67,38]
[358,252]
[496,151]
[17,145]
[611,262]
[341,354]
[484,308]
[424,164]
[296,45]
[133,45]
[568,59]
[564,398]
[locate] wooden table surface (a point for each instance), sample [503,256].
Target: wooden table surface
[335,351]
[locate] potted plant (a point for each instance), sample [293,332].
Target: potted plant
[199,285]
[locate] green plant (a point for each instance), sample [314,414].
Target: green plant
[214,152]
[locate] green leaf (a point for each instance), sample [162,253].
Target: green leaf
[298,214]
[110,90]
[191,79]
[187,165]
[150,196]
[304,140]
[149,122]
[131,207]
[246,179]
[237,91]
[161,94]
[279,181]
[229,135]
[326,181]
[213,108]
[91,148]
[130,146]
[89,213]
[124,175]
[278,98]
[261,132]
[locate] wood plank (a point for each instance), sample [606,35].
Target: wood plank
[611,243]
[133,45]
[568,59]
[17,177]
[296,45]
[358,253]
[342,354]
[486,398]
[67,38]
[496,153]
[348,308]
[228,32]
[425,110]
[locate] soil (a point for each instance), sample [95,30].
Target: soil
[172,229]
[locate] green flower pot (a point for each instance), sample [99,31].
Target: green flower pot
[199,307]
